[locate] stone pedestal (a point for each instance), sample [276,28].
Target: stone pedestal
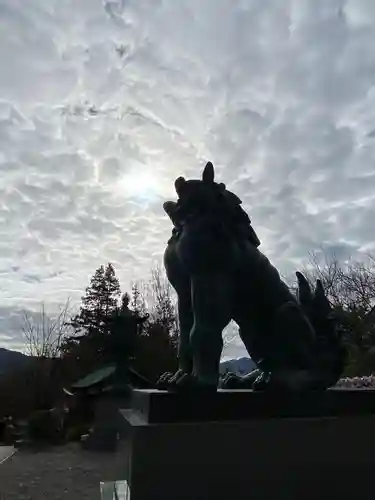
[107,425]
[243,445]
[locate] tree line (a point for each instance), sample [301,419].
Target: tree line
[79,338]
[71,344]
[350,287]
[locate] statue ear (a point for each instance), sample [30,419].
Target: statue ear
[222,187]
[179,184]
[208,174]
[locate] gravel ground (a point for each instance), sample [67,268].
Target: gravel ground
[65,472]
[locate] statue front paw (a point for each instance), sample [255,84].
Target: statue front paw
[233,381]
[171,381]
[168,379]
[182,381]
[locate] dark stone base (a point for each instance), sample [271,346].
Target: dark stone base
[266,457]
[234,405]
[107,428]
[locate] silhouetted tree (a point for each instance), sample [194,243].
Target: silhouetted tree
[350,287]
[156,346]
[99,302]
[93,322]
[44,333]
[164,311]
[138,300]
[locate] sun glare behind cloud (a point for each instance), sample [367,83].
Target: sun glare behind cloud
[140,184]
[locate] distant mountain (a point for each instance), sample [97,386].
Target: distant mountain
[241,366]
[12,361]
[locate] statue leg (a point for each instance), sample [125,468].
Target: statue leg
[212,307]
[173,381]
[254,330]
[180,281]
[186,320]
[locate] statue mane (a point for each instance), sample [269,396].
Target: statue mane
[211,204]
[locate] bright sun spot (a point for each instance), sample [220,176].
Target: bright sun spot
[140,184]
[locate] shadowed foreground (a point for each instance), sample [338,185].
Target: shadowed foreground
[65,472]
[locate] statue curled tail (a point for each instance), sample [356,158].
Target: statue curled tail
[329,354]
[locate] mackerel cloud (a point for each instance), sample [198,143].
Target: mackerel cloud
[97,96]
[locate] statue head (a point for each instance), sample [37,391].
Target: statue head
[195,194]
[205,184]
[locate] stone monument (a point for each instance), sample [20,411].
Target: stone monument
[283,431]
[214,264]
[99,395]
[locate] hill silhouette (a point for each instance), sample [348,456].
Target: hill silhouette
[12,360]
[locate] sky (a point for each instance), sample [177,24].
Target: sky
[104,103]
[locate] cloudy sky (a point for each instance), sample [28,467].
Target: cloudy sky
[104,104]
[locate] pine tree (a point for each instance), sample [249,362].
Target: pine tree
[99,304]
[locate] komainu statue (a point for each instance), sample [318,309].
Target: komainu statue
[213,262]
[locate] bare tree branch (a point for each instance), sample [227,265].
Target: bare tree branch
[44,334]
[164,301]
